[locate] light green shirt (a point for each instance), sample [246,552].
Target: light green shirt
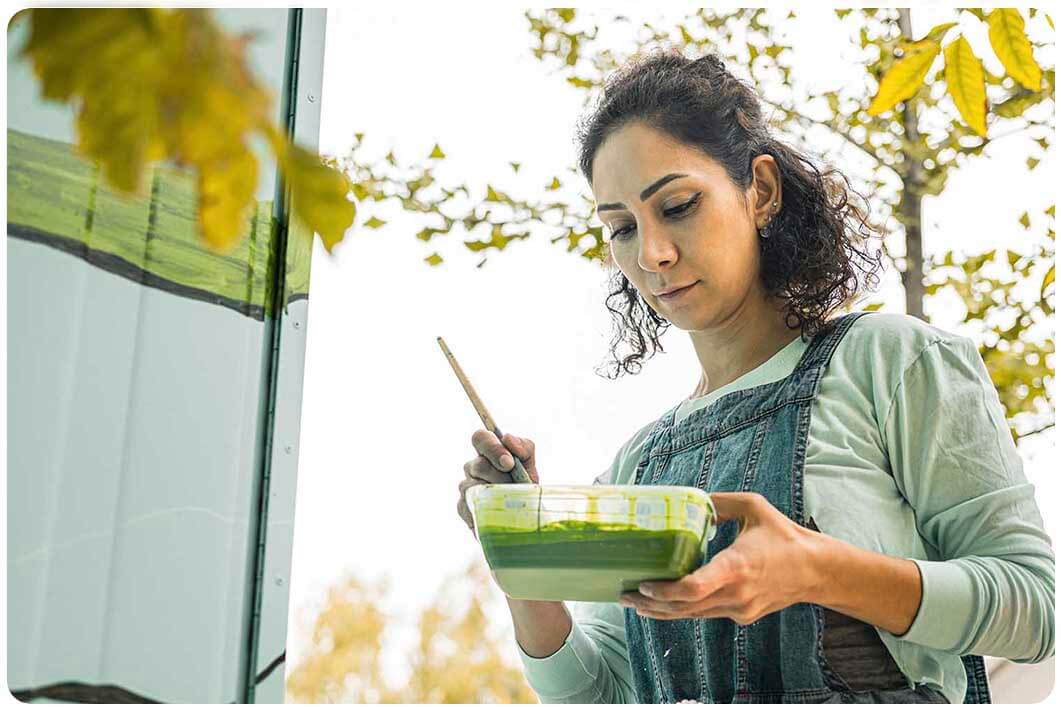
[908,455]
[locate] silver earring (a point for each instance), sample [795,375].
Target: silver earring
[764,231]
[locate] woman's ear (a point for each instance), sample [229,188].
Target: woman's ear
[766,188]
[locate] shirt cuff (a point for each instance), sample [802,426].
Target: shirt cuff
[947,594]
[569,670]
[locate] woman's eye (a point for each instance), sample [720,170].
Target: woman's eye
[682,208]
[679,210]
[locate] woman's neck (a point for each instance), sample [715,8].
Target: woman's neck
[744,342]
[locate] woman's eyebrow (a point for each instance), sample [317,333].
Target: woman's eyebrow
[649,191]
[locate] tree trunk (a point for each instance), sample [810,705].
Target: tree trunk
[913,275]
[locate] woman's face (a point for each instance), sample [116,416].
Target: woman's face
[675,220]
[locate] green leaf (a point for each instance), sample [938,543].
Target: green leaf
[433,259]
[375,223]
[1031,162]
[1016,104]
[842,13]
[494,195]
[1024,220]
[565,13]
[437,153]
[359,136]
[579,83]
[873,307]
[515,166]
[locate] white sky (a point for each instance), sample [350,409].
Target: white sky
[386,427]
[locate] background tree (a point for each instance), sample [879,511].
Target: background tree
[925,107]
[458,657]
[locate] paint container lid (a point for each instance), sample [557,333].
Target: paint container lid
[589,543]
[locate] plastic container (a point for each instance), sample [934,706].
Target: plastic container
[589,543]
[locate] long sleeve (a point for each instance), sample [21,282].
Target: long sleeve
[989,589]
[592,665]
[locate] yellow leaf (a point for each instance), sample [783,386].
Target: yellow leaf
[554,185]
[1048,280]
[73,65]
[433,259]
[1024,220]
[1005,29]
[937,32]
[375,223]
[153,84]
[318,194]
[437,153]
[965,83]
[904,77]
[226,189]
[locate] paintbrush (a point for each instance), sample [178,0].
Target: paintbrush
[519,474]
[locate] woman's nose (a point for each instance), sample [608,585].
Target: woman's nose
[657,250]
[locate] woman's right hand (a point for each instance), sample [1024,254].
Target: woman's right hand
[493,465]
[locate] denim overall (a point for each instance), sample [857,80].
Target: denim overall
[751,440]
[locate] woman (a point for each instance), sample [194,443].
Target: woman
[880,431]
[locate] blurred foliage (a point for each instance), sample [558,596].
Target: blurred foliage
[154,84]
[456,658]
[1008,298]
[924,108]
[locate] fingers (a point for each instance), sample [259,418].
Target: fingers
[493,465]
[480,468]
[488,445]
[738,506]
[462,505]
[465,513]
[500,456]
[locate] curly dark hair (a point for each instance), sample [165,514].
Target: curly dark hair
[815,259]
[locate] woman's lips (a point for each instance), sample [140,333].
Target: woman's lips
[671,296]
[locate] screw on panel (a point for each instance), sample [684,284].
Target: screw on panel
[287,449]
[311,97]
[296,324]
[279,581]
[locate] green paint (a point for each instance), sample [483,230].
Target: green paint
[52,190]
[586,561]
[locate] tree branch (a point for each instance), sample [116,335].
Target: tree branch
[814,121]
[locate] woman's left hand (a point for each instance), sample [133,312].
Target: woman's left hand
[769,566]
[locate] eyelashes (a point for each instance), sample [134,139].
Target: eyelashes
[678,212]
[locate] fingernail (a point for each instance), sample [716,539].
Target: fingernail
[506,461]
[645,589]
